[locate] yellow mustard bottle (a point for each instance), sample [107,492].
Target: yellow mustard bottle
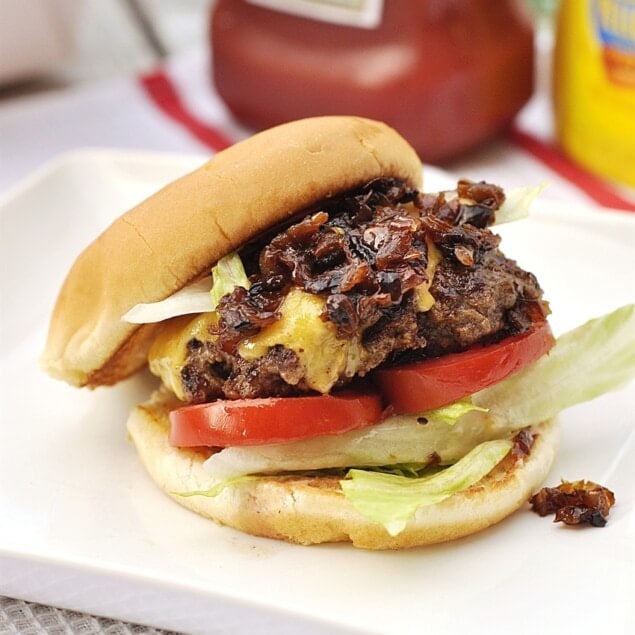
[594,85]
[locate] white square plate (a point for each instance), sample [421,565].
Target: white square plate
[83,527]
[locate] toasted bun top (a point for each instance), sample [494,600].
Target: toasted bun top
[176,235]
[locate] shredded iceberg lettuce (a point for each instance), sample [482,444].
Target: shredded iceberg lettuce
[217,488]
[392,500]
[397,440]
[451,413]
[200,297]
[227,274]
[191,299]
[517,203]
[584,363]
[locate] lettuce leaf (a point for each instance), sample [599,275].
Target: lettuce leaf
[588,361]
[410,470]
[191,299]
[392,500]
[227,274]
[199,297]
[217,488]
[451,413]
[517,203]
[397,440]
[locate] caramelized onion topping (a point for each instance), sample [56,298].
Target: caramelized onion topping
[363,252]
[575,503]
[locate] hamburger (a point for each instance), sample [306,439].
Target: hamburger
[341,356]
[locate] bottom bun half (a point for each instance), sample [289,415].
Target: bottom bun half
[312,509]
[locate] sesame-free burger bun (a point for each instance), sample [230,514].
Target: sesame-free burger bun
[176,235]
[309,510]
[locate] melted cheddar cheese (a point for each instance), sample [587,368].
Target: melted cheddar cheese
[425,301]
[301,329]
[168,352]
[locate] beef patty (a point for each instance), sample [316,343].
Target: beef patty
[367,254]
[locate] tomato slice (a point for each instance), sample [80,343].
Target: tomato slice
[433,383]
[273,420]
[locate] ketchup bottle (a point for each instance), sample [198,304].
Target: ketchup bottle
[447,74]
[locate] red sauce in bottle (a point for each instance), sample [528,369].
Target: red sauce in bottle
[447,74]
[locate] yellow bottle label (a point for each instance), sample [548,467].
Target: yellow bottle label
[615,28]
[594,85]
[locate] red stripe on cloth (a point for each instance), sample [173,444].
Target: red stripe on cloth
[552,157]
[162,91]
